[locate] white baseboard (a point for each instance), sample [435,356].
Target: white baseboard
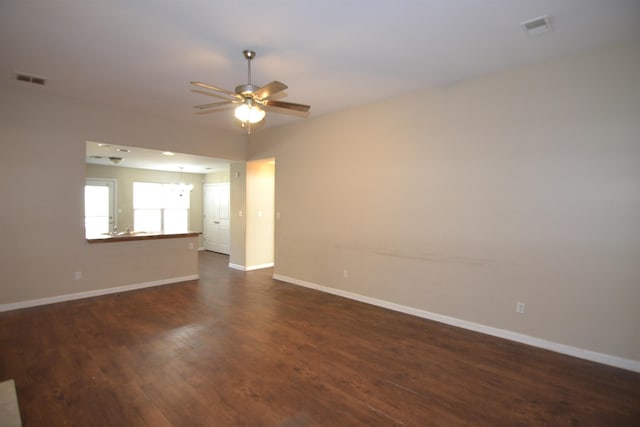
[251,267]
[259,266]
[606,359]
[89,294]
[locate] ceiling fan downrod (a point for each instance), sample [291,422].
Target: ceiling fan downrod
[249,54]
[246,90]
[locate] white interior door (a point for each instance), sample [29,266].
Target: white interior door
[217,233]
[99,206]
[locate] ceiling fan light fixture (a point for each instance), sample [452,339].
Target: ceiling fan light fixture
[251,98]
[249,113]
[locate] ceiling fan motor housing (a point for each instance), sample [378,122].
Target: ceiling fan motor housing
[246,90]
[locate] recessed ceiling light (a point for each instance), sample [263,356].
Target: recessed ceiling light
[168,153]
[123,150]
[104,145]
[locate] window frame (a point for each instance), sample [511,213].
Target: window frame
[162,206]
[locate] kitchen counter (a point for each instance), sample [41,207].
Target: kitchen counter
[139,235]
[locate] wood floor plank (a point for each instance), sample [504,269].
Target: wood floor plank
[240,348]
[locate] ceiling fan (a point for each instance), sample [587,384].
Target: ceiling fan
[251,98]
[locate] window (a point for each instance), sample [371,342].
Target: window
[99,206]
[161,207]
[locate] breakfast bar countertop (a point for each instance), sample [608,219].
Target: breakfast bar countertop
[138,235]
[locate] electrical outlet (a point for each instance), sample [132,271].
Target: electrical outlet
[78,275]
[345,274]
[191,246]
[520,307]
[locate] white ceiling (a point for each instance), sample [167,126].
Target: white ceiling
[333,54]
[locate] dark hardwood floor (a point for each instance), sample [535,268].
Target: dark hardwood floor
[240,348]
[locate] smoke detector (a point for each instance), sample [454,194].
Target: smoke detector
[537,26]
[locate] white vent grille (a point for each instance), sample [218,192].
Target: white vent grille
[537,26]
[28,78]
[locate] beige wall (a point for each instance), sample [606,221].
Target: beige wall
[42,175]
[125,177]
[519,186]
[217,177]
[238,196]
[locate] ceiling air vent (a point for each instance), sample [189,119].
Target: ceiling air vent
[537,26]
[27,78]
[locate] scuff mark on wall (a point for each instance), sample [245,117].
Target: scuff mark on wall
[394,252]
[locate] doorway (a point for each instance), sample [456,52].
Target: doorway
[260,220]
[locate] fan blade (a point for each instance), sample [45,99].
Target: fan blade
[210,111]
[269,89]
[217,89]
[287,105]
[213,104]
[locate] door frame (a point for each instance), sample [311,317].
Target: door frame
[112,184]
[204,213]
